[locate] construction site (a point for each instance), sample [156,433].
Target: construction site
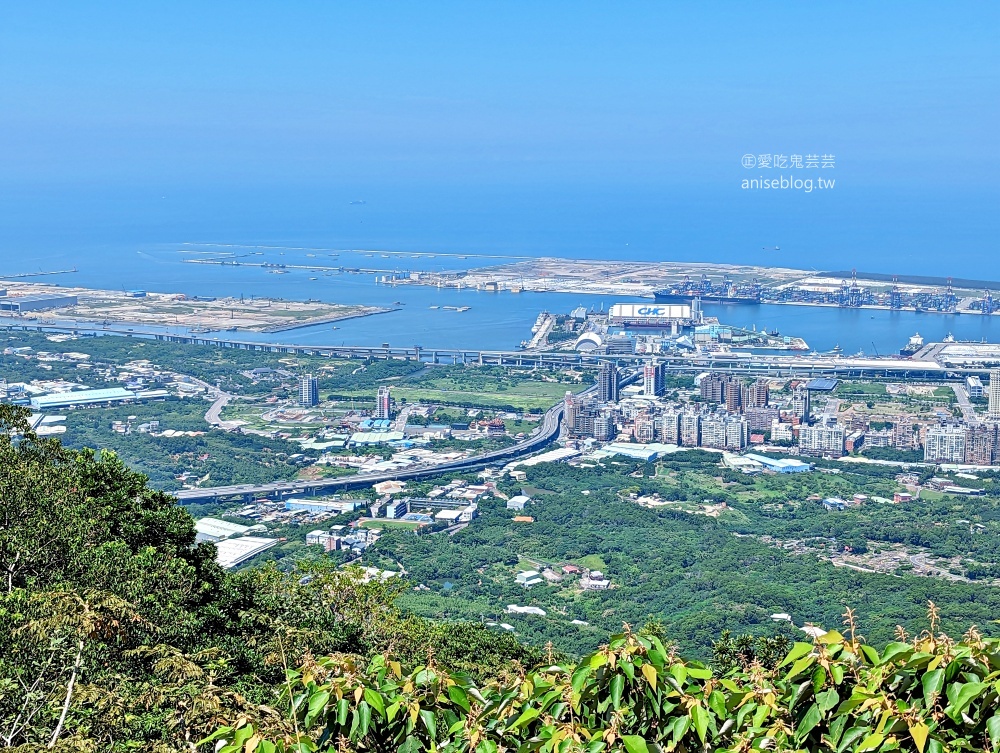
[58,304]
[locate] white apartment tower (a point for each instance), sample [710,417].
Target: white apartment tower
[383,404]
[994,395]
[308,391]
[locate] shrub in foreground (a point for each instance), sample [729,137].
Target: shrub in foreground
[931,693]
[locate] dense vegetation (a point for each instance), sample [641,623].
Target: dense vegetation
[118,632]
[697,574]
[634,694]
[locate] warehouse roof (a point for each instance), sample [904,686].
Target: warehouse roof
[81,397]
[232,552]
[821,385]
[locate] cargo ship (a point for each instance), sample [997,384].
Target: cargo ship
[726,292]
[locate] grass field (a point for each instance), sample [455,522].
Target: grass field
[385,524]
[527,396]
[592,562]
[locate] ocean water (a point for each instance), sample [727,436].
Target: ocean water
[139,238]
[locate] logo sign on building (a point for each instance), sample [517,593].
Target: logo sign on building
[650,311]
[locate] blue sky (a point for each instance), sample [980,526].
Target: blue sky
[253,98]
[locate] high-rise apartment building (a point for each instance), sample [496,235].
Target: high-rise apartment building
[383,404]
[643,428]
[980,444]
[945,444]
[734,396]
[652,379]
[604,427]
[690,430]
[994,395]
[760,419]
[607,383]
[713,387]
[668,428]
[757,395]
[308,391]
[823,439]
[800,402]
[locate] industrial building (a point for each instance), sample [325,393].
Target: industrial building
[323,505]
[80,398]
[24,303]
[232,552]
[214,530]
[781,465]
[397,508]
[671,317]
[518,502]
[974,386]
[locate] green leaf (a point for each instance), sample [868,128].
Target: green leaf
[993,728]
[801,666]
[837,671]
[364,715]
[699,673]
[932,683]
[679,672]
[617,686]
[317,705]
[410,745]
[837,729]
[526,716]
[854,733]
[717,702]
[634,743]
[343,708]
[893,650]
[375,700]
[798,651]
[700,718]
[827,699]
[810,719]
[459,697]
[870,654]
[963,696]
[427,717]
[580,677]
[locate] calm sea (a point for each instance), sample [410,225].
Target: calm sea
[135,239]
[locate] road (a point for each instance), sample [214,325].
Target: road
[546,433]
[222,399]
[968,411]
[543,435]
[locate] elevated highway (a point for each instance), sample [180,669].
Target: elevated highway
[542,436]
[741,362]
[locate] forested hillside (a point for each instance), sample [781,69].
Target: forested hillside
[117,632]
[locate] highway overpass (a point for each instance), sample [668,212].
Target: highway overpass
[543,435]
[739,362]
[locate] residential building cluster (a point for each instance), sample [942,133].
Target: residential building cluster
[728,412]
